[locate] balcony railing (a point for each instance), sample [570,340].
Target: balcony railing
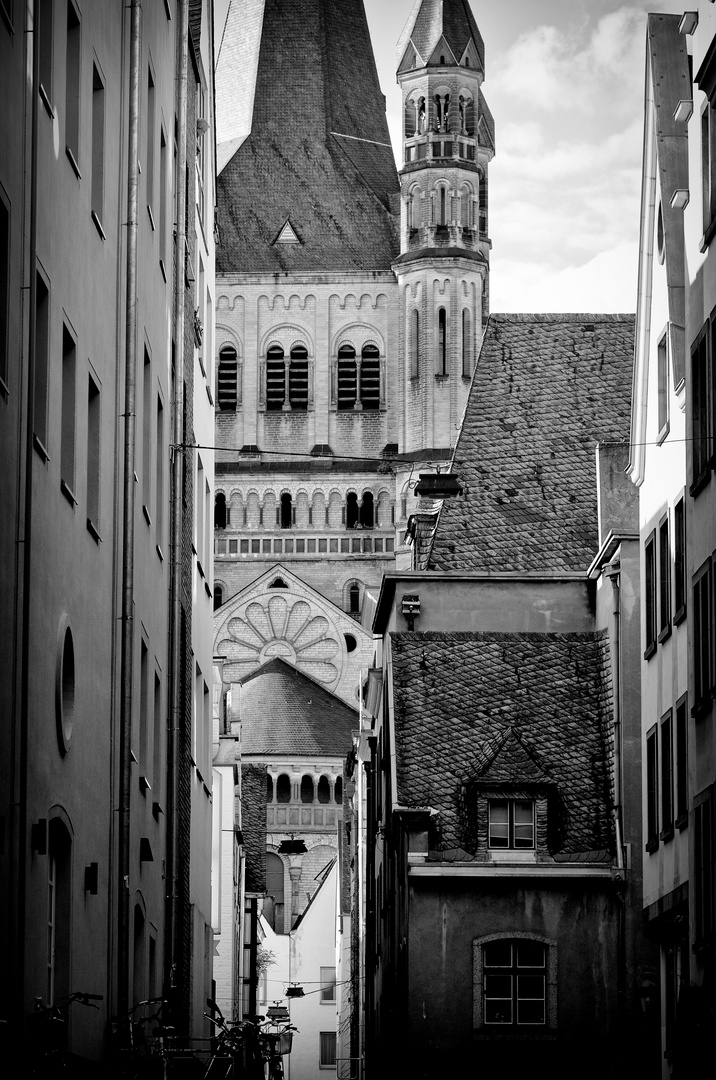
[302,815]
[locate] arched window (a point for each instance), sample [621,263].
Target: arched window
[354,599]
[352,511]
[324,790]
[59,910]
[367,510]
[221,512]
[414,343]
[483,206]
[298,379]
[370,378]
[278,583]
[410,119]
[283,788]
[347,377]
[274,908]
[466,207]
[286,511]
[414,210]
[515,982]
[422,125]
[442,206]
[307,789]
[218,597]
[228,379]
[338,790]
[269,788]
[442,342]
[466,344]
[275,379]
[139,965]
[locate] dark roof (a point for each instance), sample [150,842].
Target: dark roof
[546,390]
[319,151]
[253,825]
[284,711]
[496,709]
[451,19]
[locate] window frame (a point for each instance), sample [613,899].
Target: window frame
[681,768]
[703,637]
[5,287]
[680,580]
[496,1032]
[651,789]
[704,864]
[328,986]
[650,595]
[665,576]
[73,83]
[666,776]
[512,825]
[663,386]
[326,1040]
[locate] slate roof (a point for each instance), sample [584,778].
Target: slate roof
[319,151]
[496,709]
[451,19]
[546,390]
[284,711]
[253,825]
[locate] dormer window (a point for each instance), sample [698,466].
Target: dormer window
[511,825]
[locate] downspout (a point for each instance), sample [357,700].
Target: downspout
[127,639]
[175,719]
[24,532]
[613,572]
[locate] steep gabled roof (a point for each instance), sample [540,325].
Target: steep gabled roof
[433,22]
[319,151]
[497,707]
[284,711]
[546,390]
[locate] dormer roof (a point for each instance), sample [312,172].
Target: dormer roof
[441,29]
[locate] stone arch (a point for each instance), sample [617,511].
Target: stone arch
[356,335]
[335,510]
[270,509]
[383,508]
[353,591]
[286,336]
[302,509]
[319,510]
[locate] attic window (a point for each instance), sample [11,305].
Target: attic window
[287,235]
[278,583]
[511,824]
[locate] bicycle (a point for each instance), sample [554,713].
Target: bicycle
[47,1039]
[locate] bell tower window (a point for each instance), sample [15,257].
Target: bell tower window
[370,378]
[442,342]
[352,510]
[414,343]
[466,345]
[286,512]
[347,378]
[228,379]
[367,513]
[298,379]
[275,379]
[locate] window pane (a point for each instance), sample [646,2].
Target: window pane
[523,823]
[327,1048]
[498,954]
[499,823]
[498,986]
[530,954]
[530,1012]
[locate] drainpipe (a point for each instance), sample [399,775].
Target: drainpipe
[177,672]
[127,631]
[613,572]
[23,547]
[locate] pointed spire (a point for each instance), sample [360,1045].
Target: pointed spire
[441,32]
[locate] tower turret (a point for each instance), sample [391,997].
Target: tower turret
[443,268]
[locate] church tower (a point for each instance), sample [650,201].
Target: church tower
[443,267]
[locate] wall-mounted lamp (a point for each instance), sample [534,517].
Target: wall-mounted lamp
[410,608]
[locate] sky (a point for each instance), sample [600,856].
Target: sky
[565,84]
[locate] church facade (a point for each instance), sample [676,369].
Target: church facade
[350,298]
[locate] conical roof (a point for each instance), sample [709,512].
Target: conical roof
[433,21]
[319,152]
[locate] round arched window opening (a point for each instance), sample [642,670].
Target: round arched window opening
[324,790]
[65,693]
[283,789]
[338,790]
[351,643]
[269,788]
[660,239]
[307,791]
[218,597]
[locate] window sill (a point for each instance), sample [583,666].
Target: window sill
[682,822]
[650,650]
[144,785]
[151,218]
[442,378]
[67,492]
[680,615]
[73,162]
[160,553]
[664,634]
[147,516]
[98,225]
[40,448]
[513,1033]
[667,834]
[163,269]
[208,590]
[701,708]
[662,434]
[93,531]
[4,388]
[6,20]
[700,483]
[45,99]
[200,568]
[652,845]
[708,236]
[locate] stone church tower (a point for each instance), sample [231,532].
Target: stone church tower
[350,299]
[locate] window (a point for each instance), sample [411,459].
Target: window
[370,378]
[347,377]
[42,362]
[652,791]
[515,983]
[4,285]
[414,343]
[228,377]
[147,433]
[662,365]
[703,403]
[708,164]
[703,635]
[218,597]
[151,122]
[93,451]
[367,511]
[482,211]
[163,201]
[466,345]
[159,484]
[274,910]
[664,579]
[466,207]
[667,779]
[682,762]
[221,511]
[442,207]
[68,421]
[97,193]
[352,510]
[286,512]
[328,984]
[327,1050]
[679,561]
[6,10]
[275,379]
[143,708]
[704,891]
[199,514]
[307,789]
[442,342]
[157,749]
[72,87]
[59,911]
[511,824]
[324,790]
[354,599]
[650,596]
[45,50]
[298,379]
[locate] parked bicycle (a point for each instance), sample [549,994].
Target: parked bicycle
[47,1025]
